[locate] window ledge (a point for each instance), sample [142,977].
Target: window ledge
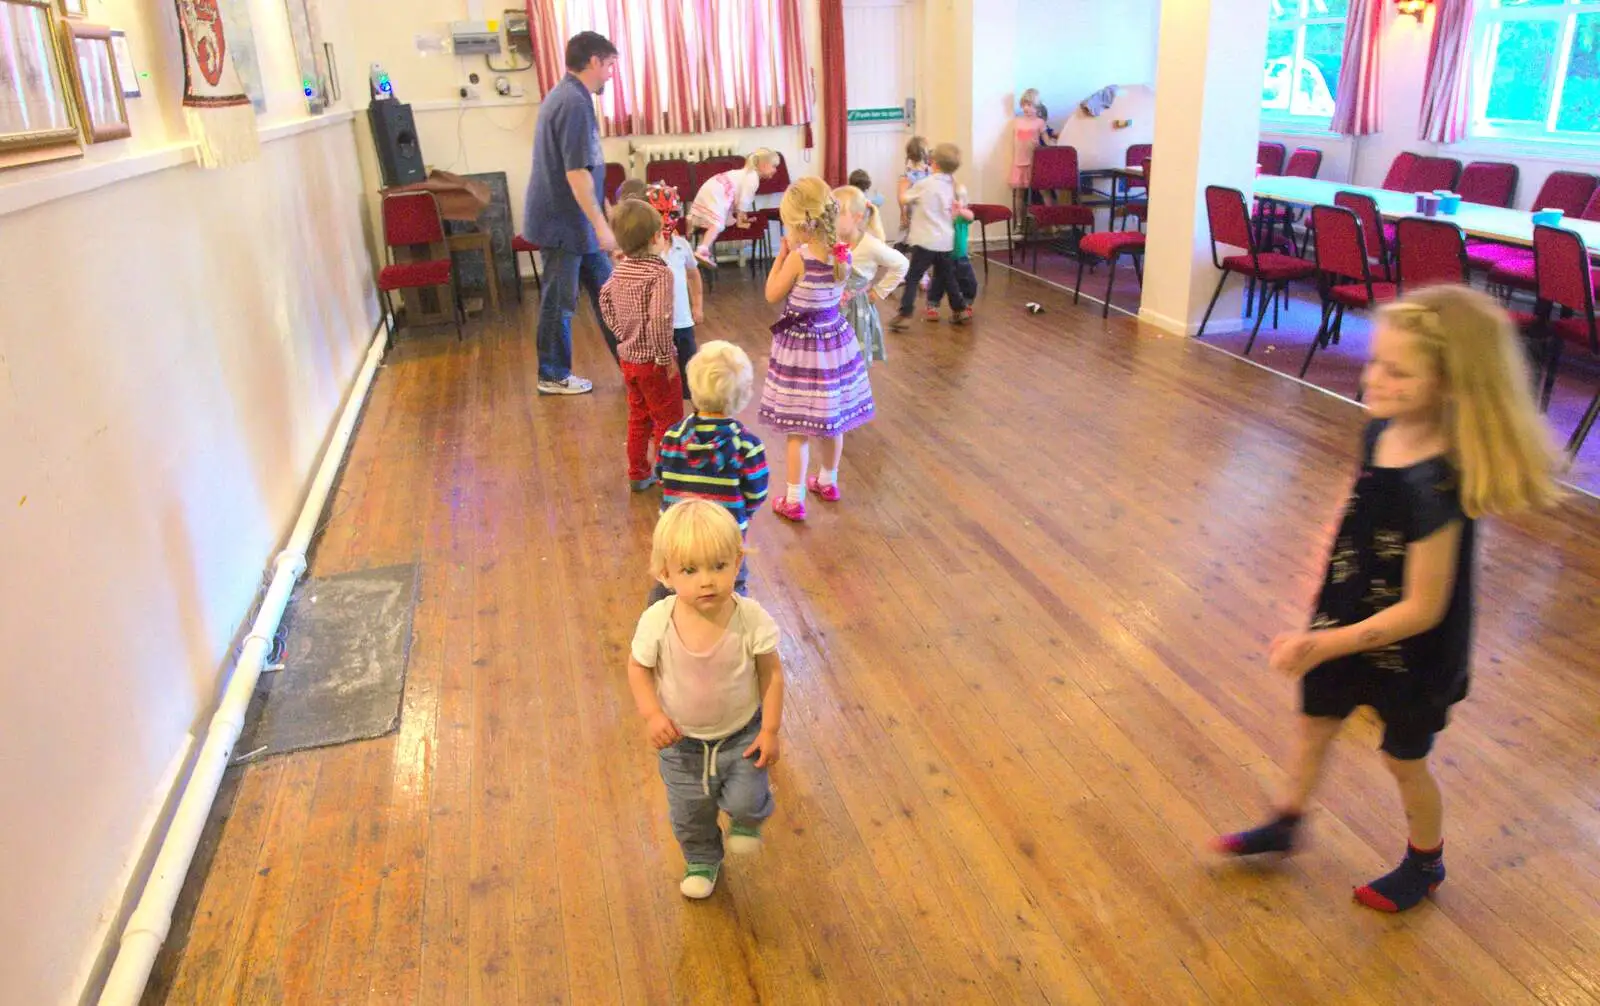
[1521,146]
[1288,128]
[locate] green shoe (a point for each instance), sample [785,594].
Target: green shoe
[699,880]
[743,839]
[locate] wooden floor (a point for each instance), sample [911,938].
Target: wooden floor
[1026,682]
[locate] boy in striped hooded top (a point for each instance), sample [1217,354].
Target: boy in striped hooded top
[710,454]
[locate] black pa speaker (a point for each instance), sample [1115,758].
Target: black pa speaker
[395,134]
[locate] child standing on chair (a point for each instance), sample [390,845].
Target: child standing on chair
[688,290]
[1455,436]
[729,198]
[710,454]
[707,681]
[636,303]
[816,380]
[932,202]
[960,260]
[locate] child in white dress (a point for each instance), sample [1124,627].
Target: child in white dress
[727,198]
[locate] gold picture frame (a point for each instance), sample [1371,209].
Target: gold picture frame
[93,59]
[37,116]
[75,8]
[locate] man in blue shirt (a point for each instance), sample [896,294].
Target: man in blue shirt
[564,214]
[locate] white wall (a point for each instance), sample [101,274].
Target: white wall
[1365,160]
[1069,49]
[496,134]
[175,346]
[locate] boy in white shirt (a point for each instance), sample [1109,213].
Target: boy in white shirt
[688,291]
[706,678]
[932,202]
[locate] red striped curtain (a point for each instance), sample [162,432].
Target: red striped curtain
[1446,103]
[686,66]
[1356,110]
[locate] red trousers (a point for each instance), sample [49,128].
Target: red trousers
[655,403]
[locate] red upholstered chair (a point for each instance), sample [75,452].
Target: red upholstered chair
[1488,183]
[1271,156]
[1566,281]
[1373,233]
[1305,162]
[1430,173]
[1400,171]
[411,220]
[519,245]
[1137,209]
[1136,155]
[984,214]
[1055,169]
[1230,225]
[616,174]
[1111,246]
[1344,270]
[1511,267]
[1429,252]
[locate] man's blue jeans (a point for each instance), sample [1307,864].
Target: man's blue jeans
[563,271]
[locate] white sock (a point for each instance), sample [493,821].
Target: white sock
[828,476]
[796,494]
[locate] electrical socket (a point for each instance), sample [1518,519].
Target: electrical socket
[470,92]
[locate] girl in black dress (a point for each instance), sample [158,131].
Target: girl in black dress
[1454,436]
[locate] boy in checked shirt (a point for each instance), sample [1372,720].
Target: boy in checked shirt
[637,305]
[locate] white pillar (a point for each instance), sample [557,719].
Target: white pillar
[1208,122]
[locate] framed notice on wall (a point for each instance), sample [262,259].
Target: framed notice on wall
[36,112]
[125,70]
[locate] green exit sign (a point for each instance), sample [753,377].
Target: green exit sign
[875,114]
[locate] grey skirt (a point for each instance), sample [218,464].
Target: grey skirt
[863,317]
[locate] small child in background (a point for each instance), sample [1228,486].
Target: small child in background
[932,202]
[688,291]
[710,454]
[632,188]
[863,181]
[918,166]
[1454,436]
[706,679]
[728,198]
[636,303]
[960,260]
[870,259]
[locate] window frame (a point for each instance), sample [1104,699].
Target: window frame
[1286,120]
[1488,18]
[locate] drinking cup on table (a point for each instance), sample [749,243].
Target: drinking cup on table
[1430,205]
[1549,216]
[1449,202]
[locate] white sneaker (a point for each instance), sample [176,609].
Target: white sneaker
[572,384]
[743,840]
[699,880]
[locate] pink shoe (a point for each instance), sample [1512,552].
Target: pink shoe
[829,493]
[789,511]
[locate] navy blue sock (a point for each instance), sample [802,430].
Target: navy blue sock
[1276,835]
[1404,887]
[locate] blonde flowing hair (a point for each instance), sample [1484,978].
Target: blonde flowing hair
[761,156]
[808,208]
[1499,444]
[853,200]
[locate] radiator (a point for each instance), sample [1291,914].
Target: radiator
[644,153]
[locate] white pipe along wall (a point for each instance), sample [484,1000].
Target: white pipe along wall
[151,920]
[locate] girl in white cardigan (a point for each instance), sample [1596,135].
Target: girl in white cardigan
[726,198]
[870,258]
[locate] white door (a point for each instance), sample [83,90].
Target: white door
[880,79]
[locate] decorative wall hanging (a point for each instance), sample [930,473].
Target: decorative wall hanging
[218,111]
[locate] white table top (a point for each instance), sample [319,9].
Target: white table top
[1489,222]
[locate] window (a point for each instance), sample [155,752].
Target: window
[1305,47]
[690,67]
[1537,70]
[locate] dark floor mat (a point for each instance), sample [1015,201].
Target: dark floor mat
[346,642]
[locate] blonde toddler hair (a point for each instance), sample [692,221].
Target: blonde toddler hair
[809,209]
[947,158]
[1029,97]
[761,156]
[1500,447]
[721,378]
[694,532]
[853,200]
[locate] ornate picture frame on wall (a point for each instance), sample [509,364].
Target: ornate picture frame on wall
[36,112]
[101,108]
[75,8]
[126,71]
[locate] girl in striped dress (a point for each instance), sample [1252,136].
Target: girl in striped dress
[816,380]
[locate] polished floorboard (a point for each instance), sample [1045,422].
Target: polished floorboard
[1026,682]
